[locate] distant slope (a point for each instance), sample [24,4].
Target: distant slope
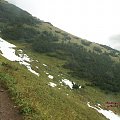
[11,14]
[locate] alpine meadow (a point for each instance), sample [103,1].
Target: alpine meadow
[52,75]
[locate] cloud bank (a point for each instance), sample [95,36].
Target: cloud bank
[115,41]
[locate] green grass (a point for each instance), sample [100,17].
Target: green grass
[35,98]
[38,101]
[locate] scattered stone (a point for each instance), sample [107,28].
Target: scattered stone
[1,90]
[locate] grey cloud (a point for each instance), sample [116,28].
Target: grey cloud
[115,41]
[12,1]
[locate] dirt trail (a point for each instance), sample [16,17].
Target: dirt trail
[7,108]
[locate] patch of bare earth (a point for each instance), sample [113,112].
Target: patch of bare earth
[7,109]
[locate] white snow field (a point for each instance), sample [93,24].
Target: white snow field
[107,113]
[8,52]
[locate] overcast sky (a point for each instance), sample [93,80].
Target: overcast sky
[94,20]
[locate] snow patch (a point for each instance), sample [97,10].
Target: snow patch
[20,51]
[107,113]
[8,52]
[72,85]
[24,57]
[68,83]
[37,61]
[29,67]
[60,82]
[50,76]
[37,67]
[52,84]
[45,65]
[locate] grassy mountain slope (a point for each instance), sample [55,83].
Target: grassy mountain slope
[93,66]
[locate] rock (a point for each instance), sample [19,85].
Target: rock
[1,90]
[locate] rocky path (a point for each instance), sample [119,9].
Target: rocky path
[7,109]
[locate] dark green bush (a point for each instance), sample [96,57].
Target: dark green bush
[86,43]
[97,49]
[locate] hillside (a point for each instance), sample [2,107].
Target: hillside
[52,74]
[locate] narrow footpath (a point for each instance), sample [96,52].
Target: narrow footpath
[7,109]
